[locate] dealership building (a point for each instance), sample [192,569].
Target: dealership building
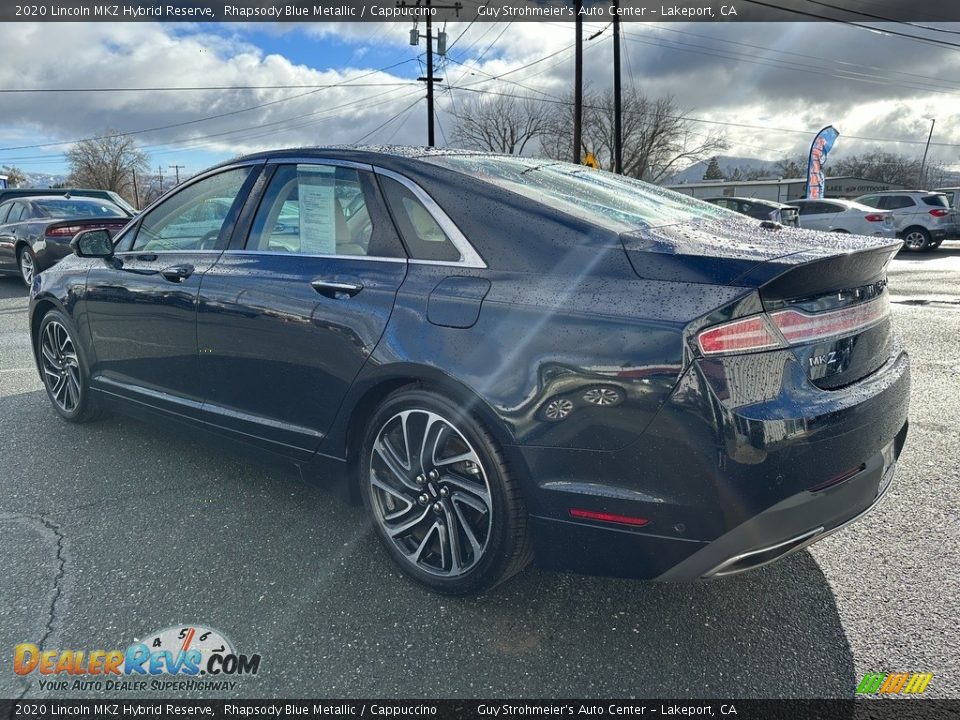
[783,189]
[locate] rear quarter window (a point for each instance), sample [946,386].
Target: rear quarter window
[936,200]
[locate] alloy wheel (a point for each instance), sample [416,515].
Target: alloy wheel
[915,240]
[26,266]
[61,368]
[430,491]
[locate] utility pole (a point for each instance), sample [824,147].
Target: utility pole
[177,169]
[160,175]
[429,79]
[923,163]
[578,84]
[136,192]
[617,94]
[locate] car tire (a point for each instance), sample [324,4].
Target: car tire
[64,370]
[27,264]
[916,239]
[455,521]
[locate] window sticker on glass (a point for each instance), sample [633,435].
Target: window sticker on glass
[318,218]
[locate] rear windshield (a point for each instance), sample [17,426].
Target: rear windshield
[600,197]
[936,200]
[78,208]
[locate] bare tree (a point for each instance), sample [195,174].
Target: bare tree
[888,167]
[500,123]
[106,162]
[792,167]
[657,136]
[15,176]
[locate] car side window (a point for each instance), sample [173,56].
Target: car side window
[871,200]
[896,202]
[316,209]
[820,208]
[17,212]
[193,218]
[4,211]
[421,232]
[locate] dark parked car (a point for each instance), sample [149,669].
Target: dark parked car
[108,195]
[35,232]
[506,357]
[760,209]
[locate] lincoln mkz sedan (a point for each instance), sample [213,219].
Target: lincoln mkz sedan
[504,358]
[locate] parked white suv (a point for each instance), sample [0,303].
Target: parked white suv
[845,216]
[922,218]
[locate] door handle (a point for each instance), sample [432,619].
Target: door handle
[337,290]
[177,273]
[146,257]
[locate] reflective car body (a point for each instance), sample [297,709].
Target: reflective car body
[46,224]
[836,215]
[576,333]
[759,209]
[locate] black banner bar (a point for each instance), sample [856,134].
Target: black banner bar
[885,11]
[731,709]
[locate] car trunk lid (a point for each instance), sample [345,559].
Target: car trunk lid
[823,294]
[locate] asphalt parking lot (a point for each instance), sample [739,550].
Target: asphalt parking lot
[112,530]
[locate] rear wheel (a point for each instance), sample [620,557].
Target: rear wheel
[916,239]
[440,495]
[64,369]
[27,262]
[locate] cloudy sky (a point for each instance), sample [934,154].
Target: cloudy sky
[786,79]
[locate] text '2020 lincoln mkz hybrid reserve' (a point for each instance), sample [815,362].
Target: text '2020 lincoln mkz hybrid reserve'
[509,358]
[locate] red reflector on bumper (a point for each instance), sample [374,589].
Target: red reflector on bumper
[608,517]
[839,478]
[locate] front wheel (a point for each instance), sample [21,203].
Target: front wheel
[440,495]
[916,239]
[64,369]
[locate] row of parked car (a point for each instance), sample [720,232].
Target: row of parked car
[921,218]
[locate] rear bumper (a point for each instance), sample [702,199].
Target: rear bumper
[725,488]
[794,523]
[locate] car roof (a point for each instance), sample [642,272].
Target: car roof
[72,198]
[902,192]
[758,201]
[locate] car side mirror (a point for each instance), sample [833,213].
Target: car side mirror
[96,243]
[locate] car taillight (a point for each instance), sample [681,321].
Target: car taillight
[875,218]
[746,335]
[939,212]
[790,327]
[64,231]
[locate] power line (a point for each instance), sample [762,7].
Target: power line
[203,119]
[187,88]
[724,123]
[388,121]
[198,141]
[870,28]
[885,19]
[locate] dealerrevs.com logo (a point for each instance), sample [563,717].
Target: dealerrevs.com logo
[197,658]
[894,683]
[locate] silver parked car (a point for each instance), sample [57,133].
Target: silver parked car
[953,200]
[845,216]
[922,218]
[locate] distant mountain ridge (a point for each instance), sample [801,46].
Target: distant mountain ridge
[727,163]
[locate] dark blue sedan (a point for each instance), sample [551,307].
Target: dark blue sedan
[506,358]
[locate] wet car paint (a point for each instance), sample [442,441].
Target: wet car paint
[564,314]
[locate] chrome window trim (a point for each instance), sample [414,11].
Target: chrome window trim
[127,253]
[469,257]
[137,219]
[328,256]
[319,161]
